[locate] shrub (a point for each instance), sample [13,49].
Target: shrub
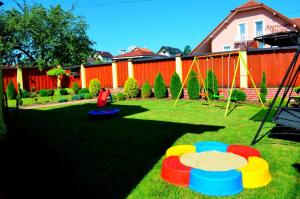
[114,98]
[263,88]
[131,88]
[11,91]
[120,97]
[238,95]
[211,84]
[297,89]
[62,99]
[76,97]
[75,88]
[160,89]
[46,92]
[25,94]
[83,90]
[175,86]
[146,90]
[59,92]
[193,86]
[82,95]
[88,96]
[69,90]
[94,87]
[20,91]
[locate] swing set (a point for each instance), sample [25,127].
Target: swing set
[220,93]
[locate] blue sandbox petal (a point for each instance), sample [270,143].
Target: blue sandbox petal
[216,183]
[210,146]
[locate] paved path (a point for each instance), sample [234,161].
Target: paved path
[58,104]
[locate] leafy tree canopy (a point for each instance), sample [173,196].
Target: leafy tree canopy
[35,35]
[187,50]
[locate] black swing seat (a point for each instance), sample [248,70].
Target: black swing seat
[289,117]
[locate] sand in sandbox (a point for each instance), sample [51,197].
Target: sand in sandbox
[213,160]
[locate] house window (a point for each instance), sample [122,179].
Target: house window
[259,32]
[242,31]
[227,48]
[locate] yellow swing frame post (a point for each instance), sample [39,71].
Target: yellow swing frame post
[195,62]
[241,59]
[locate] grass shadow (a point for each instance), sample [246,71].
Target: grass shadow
[260,115]
[61,153]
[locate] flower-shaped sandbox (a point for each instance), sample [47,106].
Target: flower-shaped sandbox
[215,168]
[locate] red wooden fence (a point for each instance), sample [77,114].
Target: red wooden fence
[273,62]
[122,68]
[223,68]
[148,70]
[9,74]
[101,72]
[35,78]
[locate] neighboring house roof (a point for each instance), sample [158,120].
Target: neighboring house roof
[137,53]
[170,50]
[250,5]
[105,54]
[297,21]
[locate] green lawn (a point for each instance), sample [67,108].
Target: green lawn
[41,100]
[60,151]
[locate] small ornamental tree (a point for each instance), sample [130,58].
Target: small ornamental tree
[211,84]
[131,89]
[11,91]
[193,86]
[58,72]
[175,86]
[94,87]
[263,88]
[75,88]
[146,90]
[160,89]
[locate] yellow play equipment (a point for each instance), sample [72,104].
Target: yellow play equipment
[239,61]
[180,149]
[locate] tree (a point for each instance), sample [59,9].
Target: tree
[35,35]
[146,90]
[160,89]
[263,88]
[131,89]
[187,50]
[175,86]
[193,86]
[211,84]
[58,72]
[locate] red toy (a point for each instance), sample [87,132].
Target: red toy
[102,97]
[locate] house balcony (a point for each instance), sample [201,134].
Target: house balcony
[241,42]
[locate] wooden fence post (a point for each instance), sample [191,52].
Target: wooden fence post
[114,74]
[178,65]
[243,70]
[20,77]
[82,76]
[130,69]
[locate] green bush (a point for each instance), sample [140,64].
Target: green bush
[146,90]
[76,97]
[11,91]
[75,88]
[70,91]
[193,86]
[94,87]
[211,85]
[131,88]
[25,94]
[160,89]
[263,88]
[46,92]
[238,95]
[83,90]
[87,96]
[59,92]
[297,89]
[120,97]
[175,86]
[62,99]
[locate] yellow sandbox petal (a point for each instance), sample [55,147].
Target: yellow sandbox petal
[180,149]
[256,173]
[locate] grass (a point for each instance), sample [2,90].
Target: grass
[58,150]
[41,100]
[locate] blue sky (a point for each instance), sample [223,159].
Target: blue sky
[120,24]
